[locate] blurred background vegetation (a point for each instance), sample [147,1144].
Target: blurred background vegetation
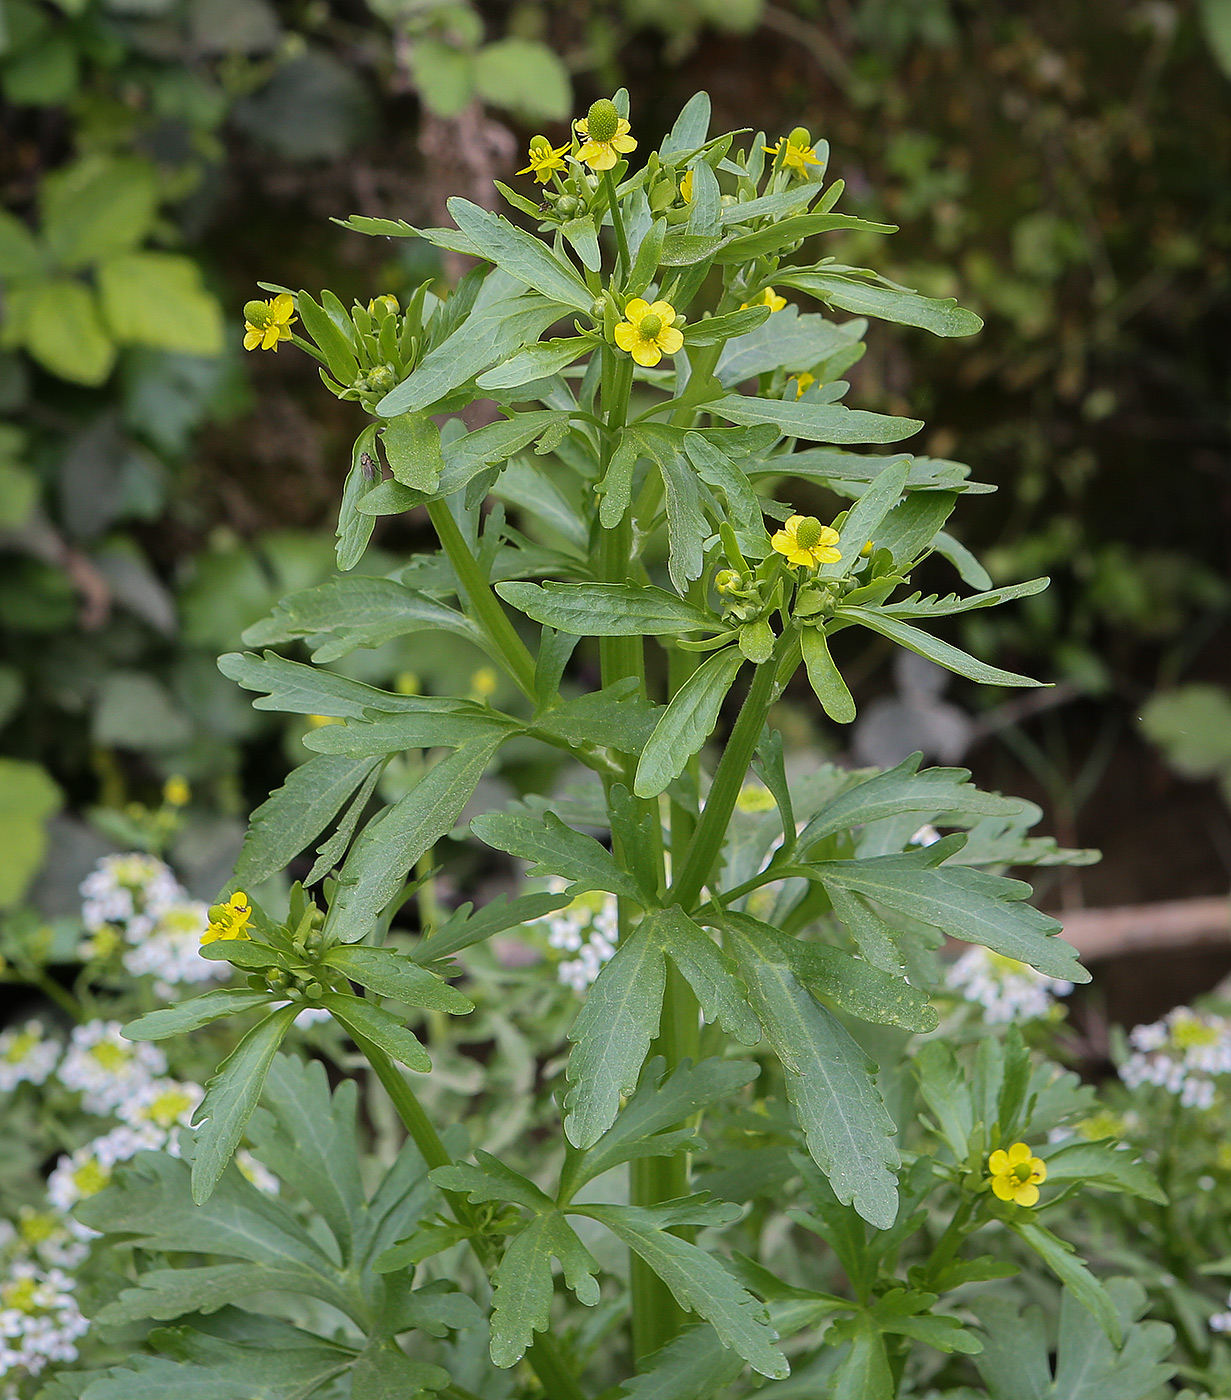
[159,489]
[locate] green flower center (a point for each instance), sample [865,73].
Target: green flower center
[20,1048]
[258,313]
[20,1295]
[91,1177]
[602,120]
[1188,1033]
[808,532]
[1022,1171]
[110,1056]
[650,326]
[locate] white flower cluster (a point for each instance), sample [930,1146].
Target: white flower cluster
[589,927]
[39,1320]
[1221,1322]
[26,1055]
[135,900]
[105,1068]
[1183,1053]
[1006,989]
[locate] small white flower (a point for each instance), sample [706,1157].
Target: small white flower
[105,1067]
[164,1104]
[39,1320]
[1006,989]
[131,889]
[1221,1322]
[26,1055]
[1183,1053]
[171,949]
[256,1172]
[589,927]
[88,1170]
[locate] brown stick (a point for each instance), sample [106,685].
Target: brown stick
[1178,924]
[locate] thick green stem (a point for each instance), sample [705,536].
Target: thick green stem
[707,840]
[483,603]
[617,223]
[543,1357]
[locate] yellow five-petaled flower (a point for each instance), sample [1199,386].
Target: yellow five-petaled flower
[796,151]
[768,297]
[806,542]
[648,332]
[544,159]
[606,136]
[268,322]
[1016,1174]
[229,920]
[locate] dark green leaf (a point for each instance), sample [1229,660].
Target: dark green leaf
[1061,1258]
[337,350]
[535,362]
[816,422]
[393,974]
[364,1019]
[521,255]
[556,849]
[617,717]
[924,644]
[825,678]
[711,974]
[429,728]
[605,609]
[687,722]
[355,529]
[463,928]
[716,330]
[941,316]
[412,445]
[773,238]
[521,1303]
[194,1013]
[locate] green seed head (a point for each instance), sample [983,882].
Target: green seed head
[258,314]
[602,120]
[540,143]
[809,532]
[801,136]
[651,325]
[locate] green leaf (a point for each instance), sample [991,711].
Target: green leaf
[20,253]
[711,974]
[158,299]
[526,77]
[355,528]
[866,515]
[521,1302]
[773,238]
[28,800]
[690,129]
[194,1013]
[864,1372]
[648,1124]
[556,849]
[363,1018]
[612,1035]
[870,933]
[295,814]
[825,678]
[346,613]
[463,929]
[1106,1165]
[963,903]
[789,341]
[699,1283]
[904,789]
[390,844]
[932,606]
[331,340]
[716,330]
[535,362]
[582,237]
[849,1134]
[693,1366]
[167,1294]
[444,77]
[96,207]
[816,422]
[1087,1368]
[483,339]
[64,334]
[947,1094]
[293,688]
[687,722]
[230,1098]
[521,255]
[686,527]
[491,1180]
[256,1373]
[1061,1258]
[412,445]
[924,644]
[861,988]
[941,316]
[605,609]
[393,974]
[617,717]
[423,729]
[686,250]
[383,1371]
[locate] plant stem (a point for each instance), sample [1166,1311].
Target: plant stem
[543,1357]
[707,840]
[484,604]
[617,222]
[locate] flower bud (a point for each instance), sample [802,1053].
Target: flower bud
[383,306]
[568,205]
[381,379]
[602,120]
[726,580]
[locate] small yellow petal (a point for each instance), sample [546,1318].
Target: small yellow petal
[1018,1154]
[271,338]
[663,310]
[829,536]
[623,144]
[1026,1194]
[626,335]
[825,554]
[670,340]
[637,309]
[1004,1188]
[998,1163]
[646,353]
[1038,1170]
[252,338]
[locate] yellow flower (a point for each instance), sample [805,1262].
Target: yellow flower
[175,791]
[686,188]
[320,721]
[1016,1175]
[803,382]
[768,297]
[228,920]
[268,322]
[796,151]
[544,160]
[606,136]
[483,683]
[806,542]
[648,332]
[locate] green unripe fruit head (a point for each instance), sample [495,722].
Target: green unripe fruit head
[258,313]
[540,143]
[651,325]
[602,120]
[808,532]
[801,136]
